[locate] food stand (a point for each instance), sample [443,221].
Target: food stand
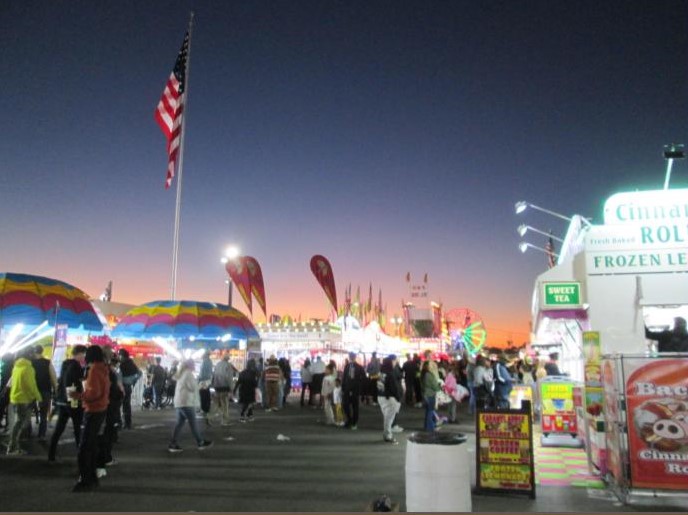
[633,273]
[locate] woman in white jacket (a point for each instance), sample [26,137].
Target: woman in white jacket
[186,398]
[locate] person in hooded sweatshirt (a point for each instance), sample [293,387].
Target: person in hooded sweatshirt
[95,399]
[71,376]
[23,394]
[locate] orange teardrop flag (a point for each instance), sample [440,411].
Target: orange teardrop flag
[238,272]
[322,270]
[256,278]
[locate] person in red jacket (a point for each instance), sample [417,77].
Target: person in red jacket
[95,399]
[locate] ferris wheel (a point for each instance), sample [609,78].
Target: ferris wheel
[466,329]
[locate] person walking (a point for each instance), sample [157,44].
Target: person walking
[46,379]
[130,375]
[417,388]
[306,382]
[373,371]
[109,433]
[70,380]
[285,367]
[247,386]
[318,371]
[327,391]
[389,396]
[431,385]
[24,394]
[272,376]
[6,366]
[503,383]
[223,378]
[483,383]
[186,399]
[353,383]
[409,369]
[95,399]
[205,378]
[158,376]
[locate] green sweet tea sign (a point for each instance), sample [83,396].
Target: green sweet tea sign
[564,294]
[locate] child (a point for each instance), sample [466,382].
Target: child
[337,399]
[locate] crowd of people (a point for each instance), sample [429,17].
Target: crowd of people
[94,390]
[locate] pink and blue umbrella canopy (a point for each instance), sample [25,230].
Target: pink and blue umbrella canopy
[184,320]
[32,300]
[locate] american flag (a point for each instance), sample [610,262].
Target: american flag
[549,249]
[170,109]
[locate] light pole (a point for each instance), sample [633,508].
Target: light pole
[231,253]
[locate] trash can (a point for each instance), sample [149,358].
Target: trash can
[437,473]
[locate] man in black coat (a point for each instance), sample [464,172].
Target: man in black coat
[675,340]
[353,382]
[71,376]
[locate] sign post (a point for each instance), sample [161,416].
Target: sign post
[505,461]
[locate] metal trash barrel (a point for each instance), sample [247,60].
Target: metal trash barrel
[437,473]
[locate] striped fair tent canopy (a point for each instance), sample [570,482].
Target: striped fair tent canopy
[186,321]
[33,300]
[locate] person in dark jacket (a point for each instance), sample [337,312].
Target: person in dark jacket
[353,381]
[503,383]
[130,375]
[95,398]
[675,340]
[46,379]
[247,384]
[410,369]
[552,367]
[389,396]
[71,374]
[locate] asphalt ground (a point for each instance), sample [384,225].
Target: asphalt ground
[318,469]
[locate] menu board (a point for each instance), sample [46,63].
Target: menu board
[558,411]
[505,457]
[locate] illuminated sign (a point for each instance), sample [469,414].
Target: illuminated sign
[638,249]
[647,207]
[562,294]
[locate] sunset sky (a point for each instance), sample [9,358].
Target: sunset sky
[389,136]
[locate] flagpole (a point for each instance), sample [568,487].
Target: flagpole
[180,168]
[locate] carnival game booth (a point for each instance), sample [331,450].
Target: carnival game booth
[298,341]
[612,281]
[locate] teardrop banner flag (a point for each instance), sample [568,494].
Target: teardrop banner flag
[322,270]
[238,272]
[255,275]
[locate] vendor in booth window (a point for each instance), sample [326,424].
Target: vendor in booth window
[674,340]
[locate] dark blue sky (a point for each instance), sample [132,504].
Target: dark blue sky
[388,136]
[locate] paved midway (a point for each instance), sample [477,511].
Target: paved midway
[318,469]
